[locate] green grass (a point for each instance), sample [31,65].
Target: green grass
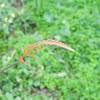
[62,74]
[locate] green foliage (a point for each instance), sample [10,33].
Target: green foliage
[64,75]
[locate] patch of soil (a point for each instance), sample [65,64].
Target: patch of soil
[53,95]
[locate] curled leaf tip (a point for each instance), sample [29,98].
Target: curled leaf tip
[21,59]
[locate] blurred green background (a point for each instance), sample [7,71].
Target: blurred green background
[57,74]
